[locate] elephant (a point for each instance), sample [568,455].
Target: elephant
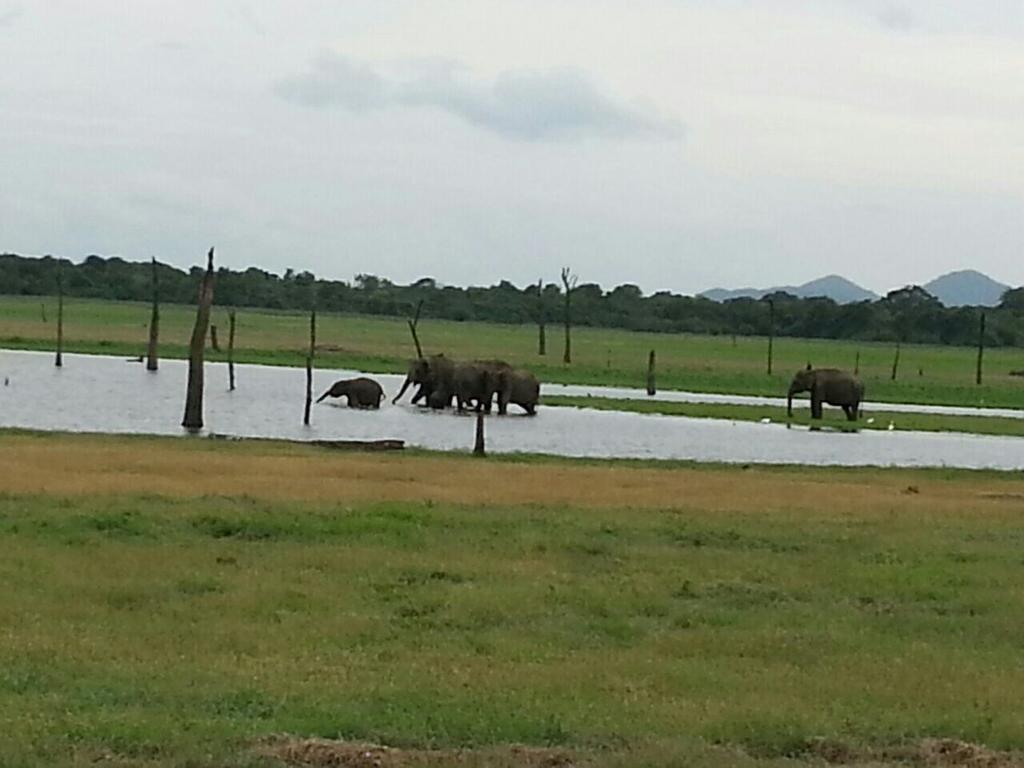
[441,380]
[361,392]
[428,374]
[518,386]
[828,385]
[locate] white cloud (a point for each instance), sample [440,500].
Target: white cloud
[531,105]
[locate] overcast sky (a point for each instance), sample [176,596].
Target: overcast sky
[672,144]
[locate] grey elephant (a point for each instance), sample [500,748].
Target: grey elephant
[519,386]
[828,385]
[428,374]
[361,392]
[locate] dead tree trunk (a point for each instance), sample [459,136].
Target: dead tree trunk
[42,308]
[896,362]
[651,388]
[413,322]
[981,348]
[152,361]
[214,344]
[309,366]
[193,419]
[479,449]
[231,351]
[542,346]
[59,362]
[771,333]
[569,280]
[856,364]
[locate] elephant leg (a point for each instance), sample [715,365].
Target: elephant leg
[815,406]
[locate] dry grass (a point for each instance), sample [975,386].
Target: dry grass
[88,465]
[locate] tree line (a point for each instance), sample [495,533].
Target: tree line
[908,314]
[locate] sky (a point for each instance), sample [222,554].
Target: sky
[676,145]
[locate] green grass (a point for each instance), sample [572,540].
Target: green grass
[148,630]
[832,418]
[928,374]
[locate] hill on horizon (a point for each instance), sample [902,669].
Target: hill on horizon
[835,287]
[966,288]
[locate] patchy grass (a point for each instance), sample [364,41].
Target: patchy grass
[832,418]
[172,602]
[929,374]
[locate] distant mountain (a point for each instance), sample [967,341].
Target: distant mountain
[835,287]
[967,287]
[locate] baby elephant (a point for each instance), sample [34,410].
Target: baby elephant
[361,392]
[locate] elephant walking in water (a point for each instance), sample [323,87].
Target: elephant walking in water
[473,384]
[361,392]
[828,385]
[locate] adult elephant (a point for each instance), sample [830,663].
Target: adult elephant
[427,373]
[475,383]
[518,386]
[361,392]
[828,385]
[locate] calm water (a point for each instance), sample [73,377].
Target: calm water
[108,394]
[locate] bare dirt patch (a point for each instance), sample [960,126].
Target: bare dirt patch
[928,753]
[328,753]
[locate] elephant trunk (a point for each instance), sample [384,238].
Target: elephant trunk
[323,396]
[405,386]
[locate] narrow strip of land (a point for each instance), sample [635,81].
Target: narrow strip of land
[918,422]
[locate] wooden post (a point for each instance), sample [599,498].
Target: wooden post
[42,308]
[214,344]
[152,362]
[59,362]
[651,388]
[478,445]
[856,364]
[415,321]
[309,366]
[231,351]
[896,361]
[193,419]
[771,332]
[981,348]
[569,280]
[541,320]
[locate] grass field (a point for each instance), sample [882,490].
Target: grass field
[171,602]
[928,374]
[832,418]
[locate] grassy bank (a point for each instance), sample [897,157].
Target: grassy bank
[174,602]
[928,374]
[832,418]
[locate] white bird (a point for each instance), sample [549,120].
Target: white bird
[891,426]
[766,420]
[871,420]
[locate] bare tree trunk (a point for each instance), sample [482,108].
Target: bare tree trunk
[569,280]
[415,321]
[231,351]
[214,344]
[856,364]
[771,333]
[193,419]
[59,362]
[541,320]
[896,362]
[651,387]
[42,308]
[152,361]
[309,366]
[479,449]
[981,348]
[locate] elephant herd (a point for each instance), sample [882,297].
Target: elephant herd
[441,382]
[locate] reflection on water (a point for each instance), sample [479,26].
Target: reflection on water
[108,394]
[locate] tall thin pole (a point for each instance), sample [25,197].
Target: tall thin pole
[193,419]
[981,348]
[59,362]
[154,324]
[771,333]
[309,366]
[231,351]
